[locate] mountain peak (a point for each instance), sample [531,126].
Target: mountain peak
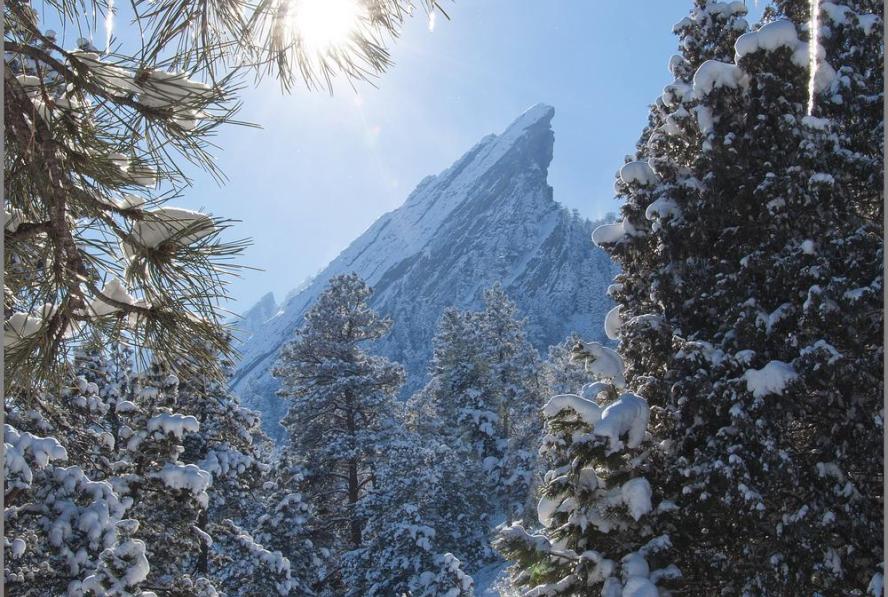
[536,114]
[490,217]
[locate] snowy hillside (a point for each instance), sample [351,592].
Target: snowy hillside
[489,217]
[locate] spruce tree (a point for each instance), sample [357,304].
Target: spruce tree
[341,406]
[751,249]
[229,445]
[168,496]
[596,502]
[483,399]
[561,373]
[512,367]
[410,520]
[287,524]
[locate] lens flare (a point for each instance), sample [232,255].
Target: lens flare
[813,33]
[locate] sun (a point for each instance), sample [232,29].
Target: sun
[325,25]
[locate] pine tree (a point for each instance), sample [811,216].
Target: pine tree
[229,446]
[596,500]
[409,517]
[483,398]
[288,524]
[97,140]
[561,373]
[454,403]
[751,301]
[168,496]
[60,456]
[243,567]
[61,527]
[341,406]
[513,380]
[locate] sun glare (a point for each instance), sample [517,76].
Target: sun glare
[325,25]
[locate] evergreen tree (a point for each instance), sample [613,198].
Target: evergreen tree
[341,406]
[244,567]
[751,248]
[168,497]
[229,445]
[483,398]
[288,524]
[409,514]
[596,501]
[454,404]
[513,381]
[124,440]
[97,141]
[63,530]
[561,373]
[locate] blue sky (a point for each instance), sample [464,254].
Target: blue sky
[323,168]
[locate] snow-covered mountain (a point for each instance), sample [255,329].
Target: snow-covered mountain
[489,217]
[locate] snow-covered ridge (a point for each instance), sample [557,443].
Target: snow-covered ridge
[489,217]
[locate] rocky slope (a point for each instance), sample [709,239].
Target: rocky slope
[489,217]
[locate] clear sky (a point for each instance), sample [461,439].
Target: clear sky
[323,168]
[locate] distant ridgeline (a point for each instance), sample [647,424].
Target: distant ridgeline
[488,218]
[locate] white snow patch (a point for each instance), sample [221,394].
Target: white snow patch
[591,391]
[547,507]
[712,74]
[636,495]
[174,424]
[189,477]
[586,410]
[662,208]
[820,124]
[612,233]
[612,323]
[167,224]
[18,547]
[639,172]
[604,363]
[115,290]
[770,379]
[627,415]
[20,325]
[639,586]
[780,33]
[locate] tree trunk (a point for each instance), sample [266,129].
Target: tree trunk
[353,501]
[353,486]
[204,558]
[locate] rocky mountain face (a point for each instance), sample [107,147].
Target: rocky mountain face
[490,217]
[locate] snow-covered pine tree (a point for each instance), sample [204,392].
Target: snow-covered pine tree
[596,501]
[168,497]
[454,404]
[74,532]
[96,141]
[288,525]
[410,509]
[244,567]
[62,530]
[561,373]
[483,398]
[341,405]
[229,445]
[512,378]
[751,301]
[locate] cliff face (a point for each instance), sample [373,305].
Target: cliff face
[490,217]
